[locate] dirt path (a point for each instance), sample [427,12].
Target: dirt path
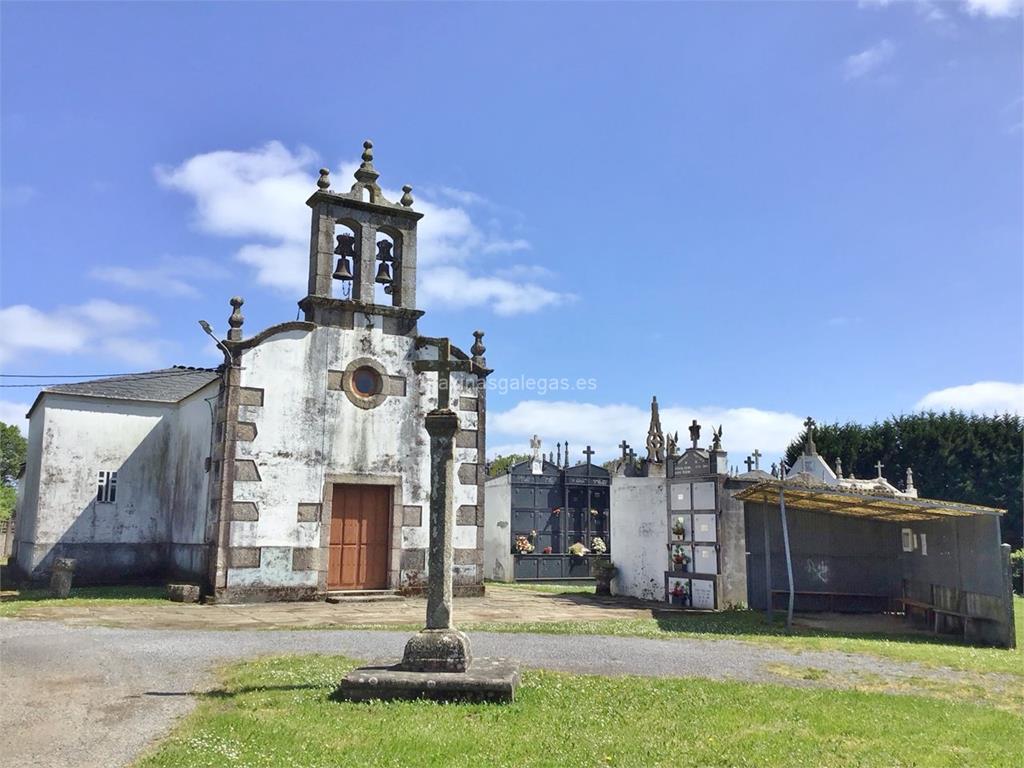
[96,696]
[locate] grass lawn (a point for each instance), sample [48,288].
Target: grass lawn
[750,626]
[12,604]
[277,712]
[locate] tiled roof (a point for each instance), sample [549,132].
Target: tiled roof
[167,385]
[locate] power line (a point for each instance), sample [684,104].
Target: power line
[146,376]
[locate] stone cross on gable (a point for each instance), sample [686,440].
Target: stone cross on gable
[750,463]
[879,465]
[757,458]
[588,453]
[444,366]
[694,433]
[625,448]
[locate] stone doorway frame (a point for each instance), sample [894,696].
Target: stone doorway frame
[394,482]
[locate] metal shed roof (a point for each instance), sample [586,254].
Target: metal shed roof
[824,498]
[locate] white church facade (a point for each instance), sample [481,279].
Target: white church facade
[298,467]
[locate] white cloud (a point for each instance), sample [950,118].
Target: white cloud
[261,194]
[869,60]
[97,326]
[455,288]
[14,413]
[983,397]
[170,276]
[605,426]
[19,194]
[994,8]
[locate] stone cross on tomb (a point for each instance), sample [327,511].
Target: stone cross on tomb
[809,447]
[625,448]
[757,458]
[694,433]
[749,462]
[879,465]
[588,453]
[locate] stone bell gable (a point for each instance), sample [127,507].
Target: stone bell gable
[323,476]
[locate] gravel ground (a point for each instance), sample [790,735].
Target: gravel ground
[96,696]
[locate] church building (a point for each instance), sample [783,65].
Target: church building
[298,467]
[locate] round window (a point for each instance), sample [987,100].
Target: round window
[366,381]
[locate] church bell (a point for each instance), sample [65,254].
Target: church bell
[383,274]
[343,271]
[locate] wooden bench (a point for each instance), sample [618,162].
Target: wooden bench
[830,595]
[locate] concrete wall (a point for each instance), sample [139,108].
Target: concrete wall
[499,563]
[639,530]
[733,542]
[309,434]
[830,553]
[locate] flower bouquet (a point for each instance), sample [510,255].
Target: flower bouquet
[523,545]
[578,550]
[597,546]
[678,529]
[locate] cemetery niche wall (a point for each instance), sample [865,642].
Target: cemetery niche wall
[547,521]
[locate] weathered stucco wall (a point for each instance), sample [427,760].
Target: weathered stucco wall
[639,530]
[155,525]
[80,437]
[499,563]
[185,501]
[301,433]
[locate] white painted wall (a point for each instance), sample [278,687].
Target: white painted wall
[157,449]
[499,563]
[639,533]
[306,432]
[79,437]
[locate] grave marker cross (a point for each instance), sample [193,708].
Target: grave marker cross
[588,453]
[750,463]
[757,458]
[878,466]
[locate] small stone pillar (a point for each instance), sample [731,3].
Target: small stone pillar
[440,647]
[60,579]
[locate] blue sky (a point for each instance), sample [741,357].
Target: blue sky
[756,211]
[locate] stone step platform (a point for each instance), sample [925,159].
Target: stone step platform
[485,680]
[344,596]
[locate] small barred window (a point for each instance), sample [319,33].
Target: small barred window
[107,489]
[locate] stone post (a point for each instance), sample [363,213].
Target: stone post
[60,579]
[440,647]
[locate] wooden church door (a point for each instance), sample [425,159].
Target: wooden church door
[360,537]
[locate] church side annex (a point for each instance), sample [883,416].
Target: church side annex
[299,467]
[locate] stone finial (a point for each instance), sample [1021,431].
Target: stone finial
[236,319]
[366,167]
[694,433]
[839,467]
[810,449]
[672,444]
[478,348]
[407,200]
[655,438]
[535,447]
[566,464]
[324,182]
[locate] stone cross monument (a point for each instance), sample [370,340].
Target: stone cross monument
[440,647]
